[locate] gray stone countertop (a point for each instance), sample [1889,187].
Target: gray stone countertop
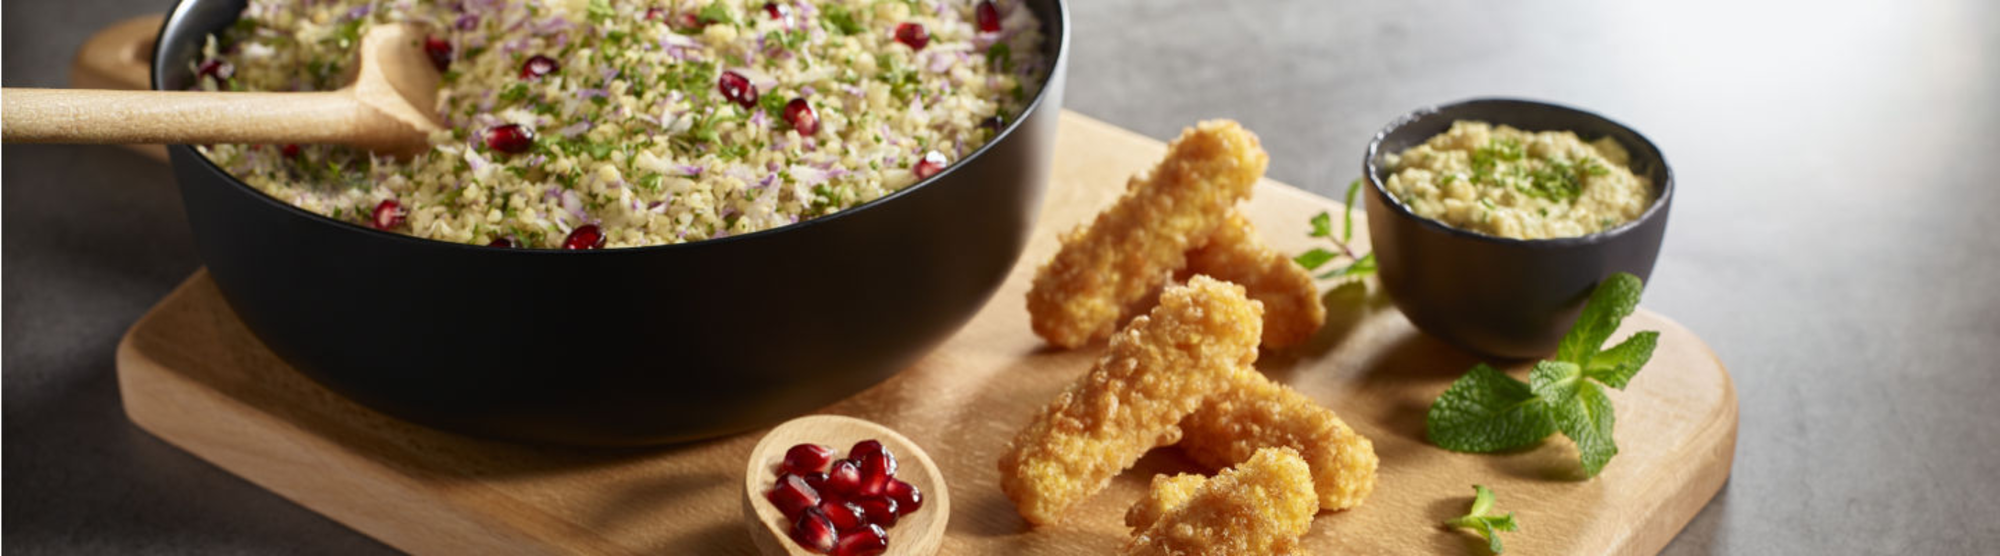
[1834,240]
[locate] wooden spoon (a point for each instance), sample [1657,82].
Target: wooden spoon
[389,108]
[918,533]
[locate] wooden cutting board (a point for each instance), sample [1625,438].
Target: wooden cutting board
[191,374]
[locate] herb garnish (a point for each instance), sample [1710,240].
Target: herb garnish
[713,13]
[842,21]
[1322,226]
[1488,411]
[1000,57]
[1488,526]
[600,11]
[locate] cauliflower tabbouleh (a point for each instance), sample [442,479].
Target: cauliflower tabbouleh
[595,123]
[1502,181]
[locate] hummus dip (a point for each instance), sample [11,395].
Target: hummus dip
[1505,182]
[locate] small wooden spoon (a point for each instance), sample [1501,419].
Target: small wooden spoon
[917,534]
[389,108]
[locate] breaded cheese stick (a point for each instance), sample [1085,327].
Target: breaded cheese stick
[1167,494]
[1155,372]
[1109,268]
[1255,413]
[1262,506]
[1235,253]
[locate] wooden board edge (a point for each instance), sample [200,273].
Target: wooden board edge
[144,383]
[1671,511]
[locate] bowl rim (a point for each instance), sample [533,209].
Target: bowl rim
[1658,206]
[1052,69]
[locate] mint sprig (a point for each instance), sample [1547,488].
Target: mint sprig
[1487,526]
[1488,411]
[1322,226]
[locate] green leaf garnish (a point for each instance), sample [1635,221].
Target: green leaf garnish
[1347,222]
[1322,226]
[1487,526]
[600,11]
[1486,410]
[1315,258]
[1000,57]
[842,21]
[715,12]
[1613,299]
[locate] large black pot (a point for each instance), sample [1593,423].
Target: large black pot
[625,346]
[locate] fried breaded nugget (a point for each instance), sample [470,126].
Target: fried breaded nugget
[1255,413]
[1155,372]
[1109,268]
[1260,507]
[1234,253]
[1168,493]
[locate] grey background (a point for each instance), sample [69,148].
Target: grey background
[1833,240]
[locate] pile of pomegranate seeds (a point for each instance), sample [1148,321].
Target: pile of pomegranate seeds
[388,215]
[913,35]
[538,66]
[841,507]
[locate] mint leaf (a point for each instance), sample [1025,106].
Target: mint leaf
[1322,225]
[1555,382]
[1613,299]
[1587,420]
[1477,520]
[1362,267]
[715,12]
[1614,367]
[1347,222]
[1315,258]
[1487,411]
[600,11]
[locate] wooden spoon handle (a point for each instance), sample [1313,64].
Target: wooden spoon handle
[172,117]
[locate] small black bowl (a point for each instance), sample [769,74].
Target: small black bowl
[1498,296]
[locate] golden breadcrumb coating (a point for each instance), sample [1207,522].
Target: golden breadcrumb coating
[1256,413]
[1260,507]
[1155,372]
[1107,270]
[1235,253]
[1168,493]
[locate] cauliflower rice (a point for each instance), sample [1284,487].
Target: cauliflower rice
[1506,182]
[631,132]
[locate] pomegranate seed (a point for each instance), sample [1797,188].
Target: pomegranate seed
[845,515]
[800,114]
[538,66]
[813,531]
[388,215]
[290,150]
[588,236]
[865,448]
[866,541]
[932,163]
[501,242]
[792,495]
[806,458]
[777,11]
[844,477]
[876,472]
[988,16]
[510,138]
[440,52]
[912,34]
[690,22]
[655,13]
[908,498]
[737,88]
[218,70]
[818,482]
[880,511]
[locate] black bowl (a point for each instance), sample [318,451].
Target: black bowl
[625,346]
[1504,297]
